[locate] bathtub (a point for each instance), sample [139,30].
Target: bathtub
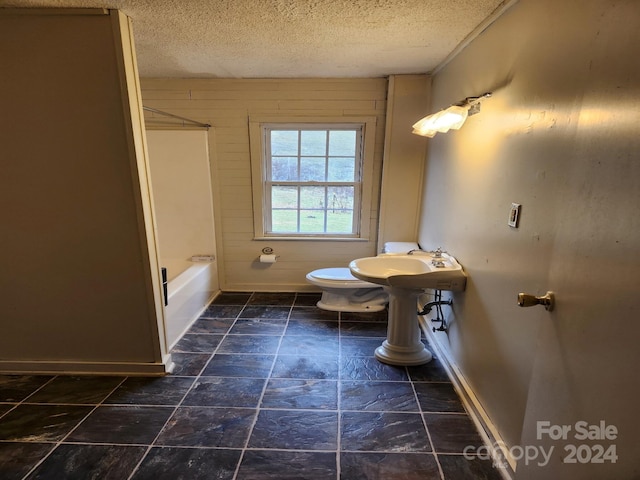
[190,288]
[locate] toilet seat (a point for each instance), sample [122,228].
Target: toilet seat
[337,278]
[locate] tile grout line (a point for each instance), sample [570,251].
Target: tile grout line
[179,404]
[37,390]
[344,348]
[426,428]
[59,442]
[17,404]
[339,400]
[55,443]
[264,389]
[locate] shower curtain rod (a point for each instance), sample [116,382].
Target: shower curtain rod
[166,114]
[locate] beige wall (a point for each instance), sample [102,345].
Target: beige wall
[79,288]
[227,105]
[559,136]
[404,159]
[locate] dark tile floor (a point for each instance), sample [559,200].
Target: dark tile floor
[266,386]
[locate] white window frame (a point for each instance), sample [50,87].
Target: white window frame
[258,127]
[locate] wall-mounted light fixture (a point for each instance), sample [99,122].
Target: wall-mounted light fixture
[449,118]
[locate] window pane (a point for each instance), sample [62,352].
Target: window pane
[284,168]
[312,169]
[283,221]
[341,169]
[340,198]
[312,197]
[284,197]
[342,143]
[340,221]
[284,142]
[313,142]
[312,221]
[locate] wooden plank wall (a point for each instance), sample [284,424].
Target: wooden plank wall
[227,104]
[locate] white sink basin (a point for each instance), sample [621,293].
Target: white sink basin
[386,266]
[420,270]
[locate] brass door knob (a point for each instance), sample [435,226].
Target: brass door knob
[547,300]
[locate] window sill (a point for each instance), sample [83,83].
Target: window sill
[313,239]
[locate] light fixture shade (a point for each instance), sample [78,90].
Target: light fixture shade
[426,126]
[424,132]
[453,117]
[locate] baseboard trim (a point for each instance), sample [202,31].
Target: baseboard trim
[490,434]
[261,287]
[87,368]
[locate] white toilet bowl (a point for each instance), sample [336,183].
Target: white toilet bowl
[342,292]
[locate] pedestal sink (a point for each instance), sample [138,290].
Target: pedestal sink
[404,278]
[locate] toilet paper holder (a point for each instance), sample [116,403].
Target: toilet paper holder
[268,256]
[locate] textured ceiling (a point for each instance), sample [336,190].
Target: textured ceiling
[291,38]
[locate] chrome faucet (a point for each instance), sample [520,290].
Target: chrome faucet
[434,253]
[419,250]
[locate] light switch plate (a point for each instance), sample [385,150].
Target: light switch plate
[514,215]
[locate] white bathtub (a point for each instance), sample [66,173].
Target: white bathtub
[190,288]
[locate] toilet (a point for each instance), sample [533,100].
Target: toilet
[342,292]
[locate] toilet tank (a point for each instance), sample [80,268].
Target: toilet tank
[399,247]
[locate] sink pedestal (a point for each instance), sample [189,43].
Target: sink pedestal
[404,278]
[403,345]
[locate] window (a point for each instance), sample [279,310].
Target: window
[312,180]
